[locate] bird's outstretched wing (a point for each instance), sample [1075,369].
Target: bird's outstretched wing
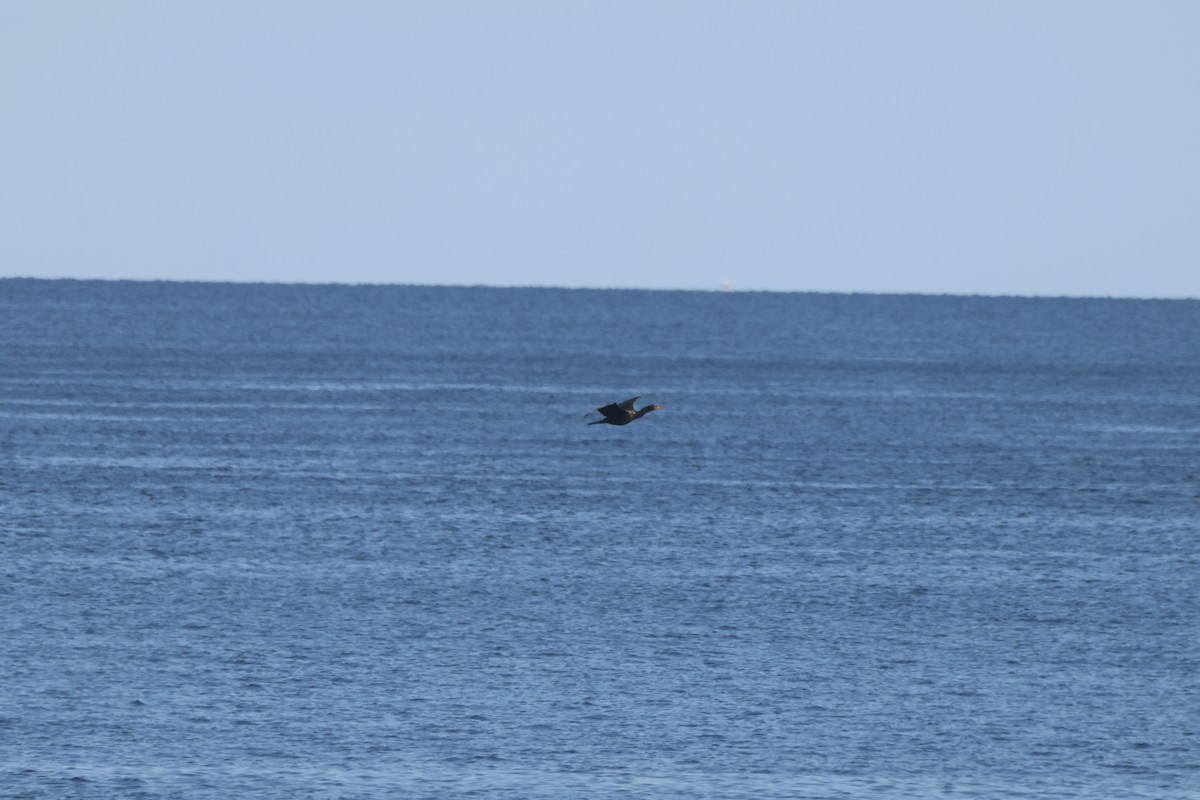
[609,410]
[617,409]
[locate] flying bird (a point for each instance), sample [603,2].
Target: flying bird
[622,413]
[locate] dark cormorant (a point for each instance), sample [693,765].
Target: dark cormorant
[622,413]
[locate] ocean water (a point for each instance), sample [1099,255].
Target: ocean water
[267,541]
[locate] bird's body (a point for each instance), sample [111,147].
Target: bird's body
[622,413]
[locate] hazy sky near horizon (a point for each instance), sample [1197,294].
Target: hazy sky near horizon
[1046,148]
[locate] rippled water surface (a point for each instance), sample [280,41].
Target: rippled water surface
[343,542]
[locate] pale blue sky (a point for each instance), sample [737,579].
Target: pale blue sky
[965,147]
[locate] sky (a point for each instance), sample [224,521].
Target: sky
[967,147]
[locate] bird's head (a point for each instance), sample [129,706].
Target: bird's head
[649,408]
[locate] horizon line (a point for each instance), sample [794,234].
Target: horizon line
[724,288]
